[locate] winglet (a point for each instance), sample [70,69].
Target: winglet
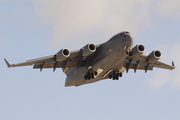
[173,63]
[7,63]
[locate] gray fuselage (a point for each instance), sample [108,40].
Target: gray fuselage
[110,55]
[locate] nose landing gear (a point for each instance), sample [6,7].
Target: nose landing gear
[128,50]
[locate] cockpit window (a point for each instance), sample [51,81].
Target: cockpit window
[122,33]
[119,34]
[125,32]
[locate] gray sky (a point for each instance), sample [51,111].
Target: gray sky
[37,28]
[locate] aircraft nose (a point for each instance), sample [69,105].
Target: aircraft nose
[129,39]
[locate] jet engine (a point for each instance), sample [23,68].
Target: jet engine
[138,50]
[62,55]
[88,49]
[154,56]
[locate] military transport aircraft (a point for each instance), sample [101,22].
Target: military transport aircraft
[93,63]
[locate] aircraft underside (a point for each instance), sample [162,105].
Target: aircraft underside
[93,63]
[112,68]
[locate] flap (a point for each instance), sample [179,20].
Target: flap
[68,64]
[138,66]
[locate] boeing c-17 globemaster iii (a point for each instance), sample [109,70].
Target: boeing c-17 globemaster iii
[93,63]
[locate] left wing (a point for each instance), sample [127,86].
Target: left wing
[141,62]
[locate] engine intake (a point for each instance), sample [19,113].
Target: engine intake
[88,49]
[154,56]
[138,50]
[63,54]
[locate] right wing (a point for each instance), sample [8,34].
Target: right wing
[31,62]
[75,59]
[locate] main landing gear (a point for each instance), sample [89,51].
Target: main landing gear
[115,75]
[90,75]
[128,51]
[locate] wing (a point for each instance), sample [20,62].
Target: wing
[31,62]
[74,60]
[140,62]
[63,59]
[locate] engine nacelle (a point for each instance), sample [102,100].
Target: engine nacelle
[154,56]
[138,50]
[88,49]
[63,54]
